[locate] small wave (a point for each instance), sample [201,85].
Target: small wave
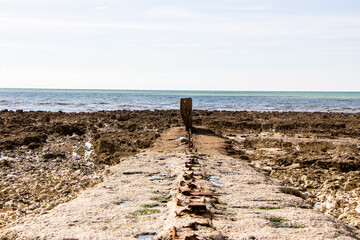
[43,104]
[62,104]
[125,106]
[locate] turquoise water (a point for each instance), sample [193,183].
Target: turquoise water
[73,100]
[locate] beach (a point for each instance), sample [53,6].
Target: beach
[49,159]
[180,120]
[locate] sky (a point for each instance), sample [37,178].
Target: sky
[245,45]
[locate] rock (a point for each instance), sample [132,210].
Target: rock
[34,145]
[54,155]
[70,129]
[4,163]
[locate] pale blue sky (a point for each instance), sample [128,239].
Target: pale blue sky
[187,44]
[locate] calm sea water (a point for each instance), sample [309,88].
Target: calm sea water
[96,100]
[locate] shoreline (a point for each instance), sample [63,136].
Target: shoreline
[176,109]
[113,100]
[47,158]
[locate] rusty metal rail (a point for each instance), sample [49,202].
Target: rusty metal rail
[195,199]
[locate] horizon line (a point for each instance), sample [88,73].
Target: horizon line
[183,90]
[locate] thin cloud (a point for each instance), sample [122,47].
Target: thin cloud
[270,26]
[253,8]
[59,25]
[28,45]
[173,12]
[343,53]
[103,8]
[326,37]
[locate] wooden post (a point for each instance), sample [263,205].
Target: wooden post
[186,112]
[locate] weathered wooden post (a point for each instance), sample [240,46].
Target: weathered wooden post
[186,112]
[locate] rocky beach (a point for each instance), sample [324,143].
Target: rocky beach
[48,159]
[317,153]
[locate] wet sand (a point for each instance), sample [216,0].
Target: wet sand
[48,159]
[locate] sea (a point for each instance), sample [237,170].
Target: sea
[75,100]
